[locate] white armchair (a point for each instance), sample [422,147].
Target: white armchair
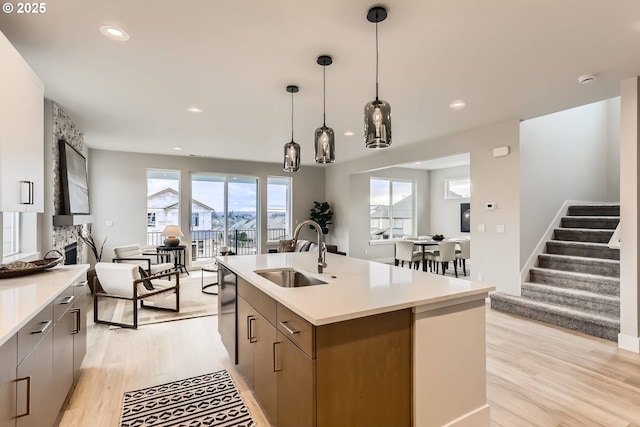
[154,263]
[405,252]
[124,282]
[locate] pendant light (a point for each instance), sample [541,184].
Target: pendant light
[377,113]
[291,149]
[325,140]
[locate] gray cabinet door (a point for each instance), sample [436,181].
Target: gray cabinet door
[81,305]
[8,362]
[63,357]
[35,408]
[246,328]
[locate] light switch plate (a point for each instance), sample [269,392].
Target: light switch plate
[499,228]
[481,227]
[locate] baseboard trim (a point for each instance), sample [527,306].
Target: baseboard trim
[629,343]
[476,418]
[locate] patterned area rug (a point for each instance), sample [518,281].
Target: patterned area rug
[206,400]
[193,303]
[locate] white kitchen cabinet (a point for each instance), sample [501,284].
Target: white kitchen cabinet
[21,134]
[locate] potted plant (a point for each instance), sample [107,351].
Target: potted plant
[322,214]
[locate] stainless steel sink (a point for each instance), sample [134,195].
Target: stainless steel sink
[289,277]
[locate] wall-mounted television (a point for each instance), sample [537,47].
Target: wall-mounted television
[75,189]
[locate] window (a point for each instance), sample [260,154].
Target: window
[278,208]
[458,188]
[224,212]
[163,203]
[10,233]
[391,208]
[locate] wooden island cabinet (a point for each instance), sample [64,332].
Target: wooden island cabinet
[322,376]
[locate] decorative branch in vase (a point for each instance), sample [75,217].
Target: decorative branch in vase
[87,238]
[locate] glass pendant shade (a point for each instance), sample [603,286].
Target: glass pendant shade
[377,124]
[291,149]
[325,143]
[291,157]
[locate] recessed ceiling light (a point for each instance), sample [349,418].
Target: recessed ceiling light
[177,148]
[417,163]
[194,110]
[349,133]
[458,104]
[114,33]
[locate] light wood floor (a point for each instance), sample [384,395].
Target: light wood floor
[538,375]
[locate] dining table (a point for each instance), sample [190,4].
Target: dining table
[430,242]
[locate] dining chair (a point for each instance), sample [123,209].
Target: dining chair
[446,253]
[405,252]
[464,254]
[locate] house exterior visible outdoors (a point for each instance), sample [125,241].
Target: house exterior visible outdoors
[402,212]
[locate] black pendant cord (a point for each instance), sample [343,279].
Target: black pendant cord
[324,96]
[291,116]
[376,61]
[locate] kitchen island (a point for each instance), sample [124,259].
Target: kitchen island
[375,345]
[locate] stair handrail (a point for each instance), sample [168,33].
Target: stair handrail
[614,242]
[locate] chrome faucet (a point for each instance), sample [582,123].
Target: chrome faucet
[322,248]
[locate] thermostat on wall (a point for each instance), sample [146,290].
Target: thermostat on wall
[491,206]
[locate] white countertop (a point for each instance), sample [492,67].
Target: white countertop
[355,288]
[21,298]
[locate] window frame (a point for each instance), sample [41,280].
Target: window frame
[288,208]
[391,218]
[447,185]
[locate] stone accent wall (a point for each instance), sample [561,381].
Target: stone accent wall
[64,128]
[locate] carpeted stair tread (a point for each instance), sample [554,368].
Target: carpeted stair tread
[593,210]
[590,302]
[576,280]
[596,235]
[586,262]
[599,222]
[599,325]
[584,249]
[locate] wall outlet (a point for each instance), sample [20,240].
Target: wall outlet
[366,251]
[480,277]
[108,223]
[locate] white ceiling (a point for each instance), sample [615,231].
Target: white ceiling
[508,59]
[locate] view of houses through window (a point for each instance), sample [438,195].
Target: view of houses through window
[278,208]
[391,208]
[223,211]
[163,203]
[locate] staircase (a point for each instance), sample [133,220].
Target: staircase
[576,284]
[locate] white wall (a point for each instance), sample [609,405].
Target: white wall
[445,213]
[495,255]
[566,156]
[118,191]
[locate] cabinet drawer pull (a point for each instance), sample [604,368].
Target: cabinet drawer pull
[251,336]
[66,300]
[81,283]
[43,327]
[28,409]
[76,321]
[288,328]
[276,358]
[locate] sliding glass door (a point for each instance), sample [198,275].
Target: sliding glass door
[224,212]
